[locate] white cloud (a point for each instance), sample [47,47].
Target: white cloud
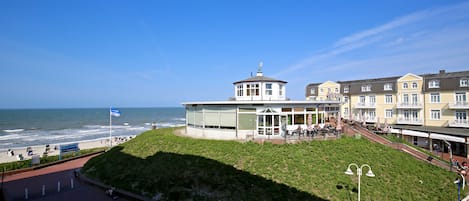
[420,42]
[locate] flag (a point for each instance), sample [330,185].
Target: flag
[115,112]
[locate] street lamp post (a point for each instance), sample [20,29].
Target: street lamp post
[460,183]
[359,173]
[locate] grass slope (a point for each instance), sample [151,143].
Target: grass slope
[177,168]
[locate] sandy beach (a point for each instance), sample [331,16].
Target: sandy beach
[40,149]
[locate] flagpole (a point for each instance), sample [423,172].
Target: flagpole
[110,127]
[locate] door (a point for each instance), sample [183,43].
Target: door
[461,117]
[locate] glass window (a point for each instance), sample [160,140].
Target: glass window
[434,84]
[268,89]
[435,114]
[286,109]
[463,82]
[388,86]
[460,97]
[346,89]
[405,85]
[346,99]
[372,99]
[388,113]
[362,99]
[406,98]
[414,85]
[415,98]
[280,90]
[240,91]
[435,97]
[312,91]
[366,88]
[388,98]
[299,119]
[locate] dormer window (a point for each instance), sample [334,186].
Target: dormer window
[312,91]
[346,89]
[464,82]
[405,85]
[388,87]
[280,90]
[434,84]
[414,85]
[366,87]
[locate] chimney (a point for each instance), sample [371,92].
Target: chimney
[442,72]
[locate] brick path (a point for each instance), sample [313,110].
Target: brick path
[14,185]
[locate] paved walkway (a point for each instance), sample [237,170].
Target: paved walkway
[15,185]
[399,146]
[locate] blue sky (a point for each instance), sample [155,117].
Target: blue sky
[62,54]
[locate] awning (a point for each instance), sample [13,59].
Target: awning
[414,133]
[447,137]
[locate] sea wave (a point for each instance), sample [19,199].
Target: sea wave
[14,130]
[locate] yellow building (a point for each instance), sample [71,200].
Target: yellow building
[426,109]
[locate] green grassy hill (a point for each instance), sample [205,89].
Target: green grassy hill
[176,168]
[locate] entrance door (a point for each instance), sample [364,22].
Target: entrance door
[269,124]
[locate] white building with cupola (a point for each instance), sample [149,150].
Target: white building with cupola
[260,109]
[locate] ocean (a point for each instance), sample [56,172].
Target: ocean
[29,127]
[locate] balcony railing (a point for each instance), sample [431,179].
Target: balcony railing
[412,105]
[459,123]
[365,105]
[459,105]
[370,119]
[410,121]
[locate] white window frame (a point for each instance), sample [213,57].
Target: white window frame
[280,89]
[435,97]
[388,113]
[461,94]
[414,85]
[362,99]
[435,114]
[366,87]
[464,82]
[346,99]
[240,90]
[372,99]
[312,90]
[405,98]
[405,85]
[346,89]
[387,100]
[268,91]
[434,84]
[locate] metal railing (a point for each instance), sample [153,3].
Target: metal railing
[409,121]
[409,105]
[459,105]
[365,105]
